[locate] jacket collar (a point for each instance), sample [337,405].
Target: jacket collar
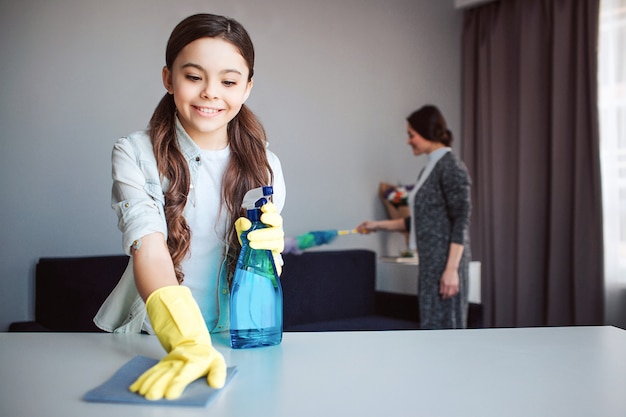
[187,146]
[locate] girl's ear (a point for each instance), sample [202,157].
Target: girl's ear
[248,90]
[167,80]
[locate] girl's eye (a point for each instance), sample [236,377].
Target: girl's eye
[229,83]
[193,77]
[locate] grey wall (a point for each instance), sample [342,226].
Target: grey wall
[334,81]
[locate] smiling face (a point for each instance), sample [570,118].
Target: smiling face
[416,141]
[209,81]
[419,144]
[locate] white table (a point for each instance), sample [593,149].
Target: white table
[575,371]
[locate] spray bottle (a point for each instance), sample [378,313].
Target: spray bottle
[256,297]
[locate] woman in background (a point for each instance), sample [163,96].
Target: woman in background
[439,223]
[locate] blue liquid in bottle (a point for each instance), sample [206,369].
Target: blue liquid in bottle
[256,300]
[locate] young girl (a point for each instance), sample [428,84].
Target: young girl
[177,191]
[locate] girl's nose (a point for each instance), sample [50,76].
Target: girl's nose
[210,91]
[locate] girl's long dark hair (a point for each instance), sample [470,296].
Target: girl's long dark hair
[248,166]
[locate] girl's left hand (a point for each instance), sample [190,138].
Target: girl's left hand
[449,283]
[271,238]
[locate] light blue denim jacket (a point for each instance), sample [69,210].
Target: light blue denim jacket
[138,193]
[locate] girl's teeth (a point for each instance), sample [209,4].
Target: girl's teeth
[208,110]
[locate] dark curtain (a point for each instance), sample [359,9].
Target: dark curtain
[531,143]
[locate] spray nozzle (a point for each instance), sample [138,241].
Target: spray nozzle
[255,199]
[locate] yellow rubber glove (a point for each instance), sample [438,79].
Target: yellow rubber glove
[178,323]
[271,238]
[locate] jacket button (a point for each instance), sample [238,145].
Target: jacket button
[197,159]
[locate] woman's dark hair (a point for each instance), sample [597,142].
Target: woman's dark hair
[430,124]
[248,166]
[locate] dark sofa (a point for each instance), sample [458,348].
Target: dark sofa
[336,290]
[323,291]
[69,292]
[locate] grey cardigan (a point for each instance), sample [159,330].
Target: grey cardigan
[442,210]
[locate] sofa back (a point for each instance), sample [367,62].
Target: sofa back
[328,285]
[318,286]
[69,291]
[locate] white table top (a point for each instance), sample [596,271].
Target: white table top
[569,371]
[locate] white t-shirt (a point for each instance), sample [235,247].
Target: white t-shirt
[207,226]
[206,253]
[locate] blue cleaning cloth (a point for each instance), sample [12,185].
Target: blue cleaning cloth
[115,390]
